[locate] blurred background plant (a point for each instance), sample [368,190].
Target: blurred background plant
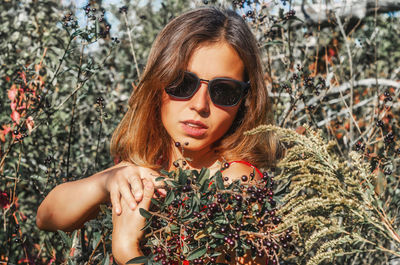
[67,69]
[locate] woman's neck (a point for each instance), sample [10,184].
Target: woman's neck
[195,159]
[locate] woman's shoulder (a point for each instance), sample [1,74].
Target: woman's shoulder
[237,169]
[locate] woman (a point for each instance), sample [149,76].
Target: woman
[201,90]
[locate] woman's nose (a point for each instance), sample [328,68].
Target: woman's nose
[200,101]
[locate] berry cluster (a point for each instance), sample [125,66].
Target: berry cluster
[302,81]
[290,14]
[48,160]
[387,96]
[100,104]
[380,123]
[91,13]
[387,172]
[123,9]
[98,14]
[70,21]
[202,218]
[389,138]
[240,3]
[360,146]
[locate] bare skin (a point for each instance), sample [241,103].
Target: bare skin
[69,205]
[129,187]
[126,227]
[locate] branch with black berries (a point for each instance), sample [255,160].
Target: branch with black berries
[204,219]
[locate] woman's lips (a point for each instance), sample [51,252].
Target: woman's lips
[194,128]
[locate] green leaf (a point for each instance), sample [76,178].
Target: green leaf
[204,187]
[238,216]
[170,197]
[172,183]
[66,239]
[282,189]
[296,18]
[106,260]
[197,253]
[76,33]
[96,239]
[156,202]
[216,235]
[185,249]
[147,225]
[49,247]
[97,28]
[182,177]
[277,26]
[221,221]
[137,260]
[219,180]
[164,172]
[160,178]
[204,175]
[145,213]
[195,174]
[174,228]
[274,42]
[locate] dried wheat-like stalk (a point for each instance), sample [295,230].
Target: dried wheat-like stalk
[330,203]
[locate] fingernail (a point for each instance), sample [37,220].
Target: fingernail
[118,211]
[138,194]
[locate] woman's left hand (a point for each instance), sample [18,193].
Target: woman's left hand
[127,227]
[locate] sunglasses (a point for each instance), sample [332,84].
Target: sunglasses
[225,92]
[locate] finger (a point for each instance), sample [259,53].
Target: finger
[115,201]
[147,194]
[160,191]
[127,196]
[137,187]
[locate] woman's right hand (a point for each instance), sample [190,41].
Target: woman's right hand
[125,182]
[69,205]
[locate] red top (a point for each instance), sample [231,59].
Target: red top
[248,164]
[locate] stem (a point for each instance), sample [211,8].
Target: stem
[98,244]
[98,139]
[70,132]
[350,109]
[73,111]
[131,44]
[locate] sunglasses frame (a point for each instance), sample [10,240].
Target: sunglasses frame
[244,86]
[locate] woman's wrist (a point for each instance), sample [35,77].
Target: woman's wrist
[100,180]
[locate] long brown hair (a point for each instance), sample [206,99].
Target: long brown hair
[142,139]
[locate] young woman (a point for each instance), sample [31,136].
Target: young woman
[201,90]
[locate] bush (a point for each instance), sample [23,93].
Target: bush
[67,75]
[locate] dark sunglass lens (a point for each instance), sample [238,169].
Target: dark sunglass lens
[225,92]
[183,88]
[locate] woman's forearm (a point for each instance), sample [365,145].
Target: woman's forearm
[127,228]
[123,254]
[69,205]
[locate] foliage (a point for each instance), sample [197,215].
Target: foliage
[205,219]
[66,82]
[331,204]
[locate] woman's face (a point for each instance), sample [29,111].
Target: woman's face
[197,120]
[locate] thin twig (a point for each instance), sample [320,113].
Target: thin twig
[98,244]
[131,44]
[349,108]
